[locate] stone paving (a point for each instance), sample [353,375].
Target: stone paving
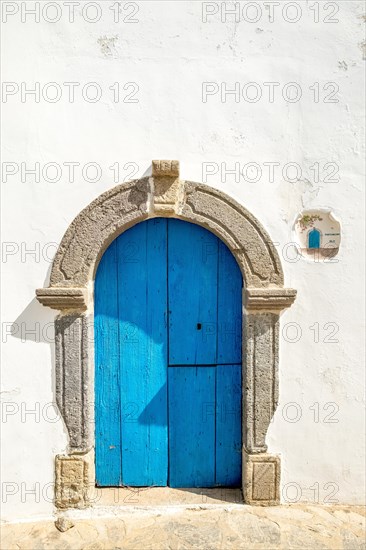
[205,526]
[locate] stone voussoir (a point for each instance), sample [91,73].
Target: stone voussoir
[116,210]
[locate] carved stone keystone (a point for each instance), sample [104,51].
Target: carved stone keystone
[165,168]
[166,186]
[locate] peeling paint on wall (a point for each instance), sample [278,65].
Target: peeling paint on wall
[107,45]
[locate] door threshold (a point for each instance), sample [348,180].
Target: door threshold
[165,496]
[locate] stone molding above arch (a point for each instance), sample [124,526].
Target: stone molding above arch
[71,292]
[163,194]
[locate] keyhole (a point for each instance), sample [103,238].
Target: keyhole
[199,326]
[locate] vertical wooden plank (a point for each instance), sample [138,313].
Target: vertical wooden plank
[229,311]
[191,426]
[107,382]
[142,300]
[228,425]
[192,268]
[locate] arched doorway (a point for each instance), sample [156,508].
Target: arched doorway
[314,238]
[71,291]
[168,359]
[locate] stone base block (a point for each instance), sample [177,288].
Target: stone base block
[72,481]
[261,479]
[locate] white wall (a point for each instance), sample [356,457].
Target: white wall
[168,54]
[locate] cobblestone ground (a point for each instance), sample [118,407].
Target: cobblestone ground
[198,527]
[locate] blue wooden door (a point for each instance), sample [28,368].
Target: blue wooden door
[168,359]
[314,238]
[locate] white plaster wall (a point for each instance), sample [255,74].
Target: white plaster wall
[169,53]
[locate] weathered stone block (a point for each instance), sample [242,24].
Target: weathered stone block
[165,168]
[268,299]
[166,195]
[261,483]
[63,298]
[72,481]
[74,376]
[64,524]
[260,383]
[166,186]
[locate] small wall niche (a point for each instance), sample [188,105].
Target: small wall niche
[318,233]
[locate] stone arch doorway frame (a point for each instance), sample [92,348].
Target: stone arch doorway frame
[164,194]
